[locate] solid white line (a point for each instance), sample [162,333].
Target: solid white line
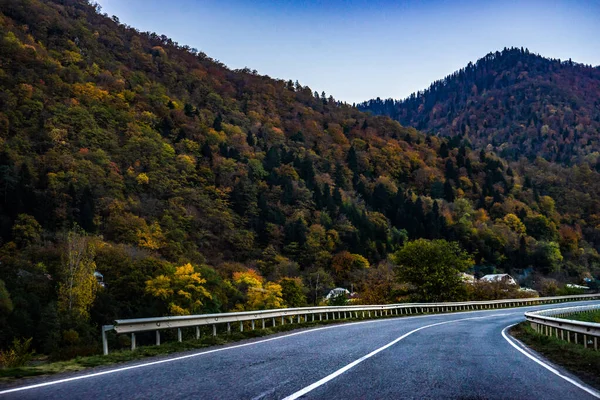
[112,371]
[548,367]
[353,364]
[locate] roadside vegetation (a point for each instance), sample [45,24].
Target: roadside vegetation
[592,316]
[585,363]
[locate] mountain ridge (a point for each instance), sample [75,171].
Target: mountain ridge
[514,101]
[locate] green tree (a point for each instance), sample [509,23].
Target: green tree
[26,230]
[292,292]
[432,268]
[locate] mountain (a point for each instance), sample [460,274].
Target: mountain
[515,103]
[191,187]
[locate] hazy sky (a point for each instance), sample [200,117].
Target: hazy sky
[360,49]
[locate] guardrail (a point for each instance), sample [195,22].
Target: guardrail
[554,322]
[270,318]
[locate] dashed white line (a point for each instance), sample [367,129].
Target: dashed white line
[353,364]
[168,360]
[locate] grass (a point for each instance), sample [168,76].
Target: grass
[590,316]
[585,363]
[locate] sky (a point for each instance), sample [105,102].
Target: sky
[356,50]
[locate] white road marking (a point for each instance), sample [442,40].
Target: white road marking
[112,371]
[353,364]
[548,367]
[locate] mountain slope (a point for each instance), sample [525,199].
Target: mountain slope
[195,188]
[515,102]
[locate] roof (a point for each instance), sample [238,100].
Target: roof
[498,278]
[573,286]
[336,292]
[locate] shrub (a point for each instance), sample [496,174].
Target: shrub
[18,355]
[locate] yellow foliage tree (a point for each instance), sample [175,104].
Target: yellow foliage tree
[151,238]
[259,296]
[183,290]
[77,289]
[264,298]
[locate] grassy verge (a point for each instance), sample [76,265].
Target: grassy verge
[591,316]
[45,367]
[585,363]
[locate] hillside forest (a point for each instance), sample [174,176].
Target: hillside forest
[139,177]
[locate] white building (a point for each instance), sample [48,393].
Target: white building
[506,278]
[336,292]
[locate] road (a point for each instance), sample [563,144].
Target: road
[456,356]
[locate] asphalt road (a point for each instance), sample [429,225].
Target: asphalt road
[454,356]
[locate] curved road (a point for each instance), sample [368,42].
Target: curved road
[457,356]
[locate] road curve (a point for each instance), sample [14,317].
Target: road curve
[458,356]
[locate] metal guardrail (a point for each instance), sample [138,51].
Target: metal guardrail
[271,318]
[554,322]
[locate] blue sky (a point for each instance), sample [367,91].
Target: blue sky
[360,49]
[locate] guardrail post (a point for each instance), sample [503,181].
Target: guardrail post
[282,320]
[273,321]
[158,338]
[197,332]
[252,324]
[179,338]
[214,330]
[228,328]
[263,323]
[241,326]
[105,328]
[132,341]
[585,341]
[313,317]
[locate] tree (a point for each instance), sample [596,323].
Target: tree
[259,295]
[547,257]
[344,263]
[433,268]
[6,305]
[77,289]
[26,230]
[292,292]
[183,290]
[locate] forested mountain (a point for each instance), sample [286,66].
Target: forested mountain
[195,188]
[513,102]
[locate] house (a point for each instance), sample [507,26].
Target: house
[506,278]
[336,292]
[99,278]
[573,286]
